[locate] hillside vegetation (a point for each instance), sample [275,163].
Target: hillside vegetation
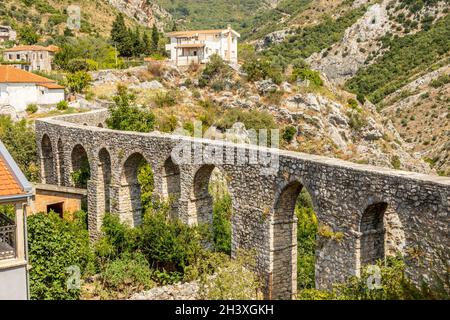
[305,41]
[49,17]
[210,14]
[406,57]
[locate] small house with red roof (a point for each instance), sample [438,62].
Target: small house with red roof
[15,195]
[19,88]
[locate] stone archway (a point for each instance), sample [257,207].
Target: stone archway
[381,234]
[104,180]
[201,202]
[171,185]
[48,174]
[131,208]
[61,165]
[81,172]
[293,242]
[284,243]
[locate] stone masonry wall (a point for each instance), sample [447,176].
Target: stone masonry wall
[416,207]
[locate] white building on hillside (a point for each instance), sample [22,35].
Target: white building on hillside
[20,88]
[196,46]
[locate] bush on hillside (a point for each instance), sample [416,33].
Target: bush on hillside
[54,245]
[125,115]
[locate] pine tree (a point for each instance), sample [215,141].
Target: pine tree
[155,38]
[147,43]
[119,30]
[120,36]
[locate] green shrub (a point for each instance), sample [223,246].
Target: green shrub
[62,105]
[169,245]
[289,133]
[77,82]
[124,115]
[54,245]
[440,81]
[357,120]
[233,279]
[215,70]
[307,227]
[395,161]
[81,176]
[20,140]
[252,119]
[128,274]
[77,64]
[222,224]
[352,103]
[165,99]
[262,68]
[307,74]
[31,108]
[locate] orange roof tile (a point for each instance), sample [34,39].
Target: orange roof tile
[8,184]
[10,74]
[51,85]
[33,48]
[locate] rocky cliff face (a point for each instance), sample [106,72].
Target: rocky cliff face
[362,40]
[144,12]
[344,59]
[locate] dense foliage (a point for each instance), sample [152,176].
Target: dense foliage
[95,52]
[54,245]
[210,14]
[307,226]
[20,140]
[406,56]
[308,40]
[135,42]
[125,115]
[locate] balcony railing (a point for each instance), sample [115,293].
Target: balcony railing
[7,238]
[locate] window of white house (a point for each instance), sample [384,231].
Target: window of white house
[18,56]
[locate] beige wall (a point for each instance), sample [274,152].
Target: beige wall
[43,198]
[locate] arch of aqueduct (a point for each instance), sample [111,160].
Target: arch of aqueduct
[376,210]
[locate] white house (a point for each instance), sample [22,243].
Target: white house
[16,192]
[19,88]
[196,46]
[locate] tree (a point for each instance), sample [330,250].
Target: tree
[78,81]
[120,36]
[28,36]
[155,38]
[147,43]
[124,115]
[20,141]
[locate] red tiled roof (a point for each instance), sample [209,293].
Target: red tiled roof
[33,48]
[10,74]
[8,184]
[51,85]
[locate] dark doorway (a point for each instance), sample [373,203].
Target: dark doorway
[56,207]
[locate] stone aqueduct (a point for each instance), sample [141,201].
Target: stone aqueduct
[376,211]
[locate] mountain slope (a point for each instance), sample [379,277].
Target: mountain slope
[49,17]
[208,14]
